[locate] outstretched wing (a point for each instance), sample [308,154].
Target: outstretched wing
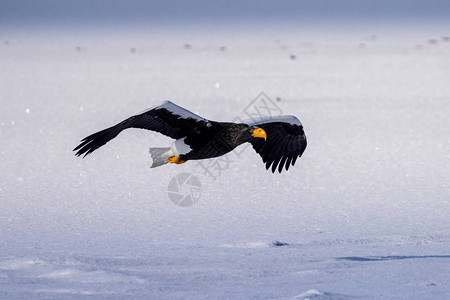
[167,118]
[286,141]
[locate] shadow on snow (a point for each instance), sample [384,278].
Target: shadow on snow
[391,257]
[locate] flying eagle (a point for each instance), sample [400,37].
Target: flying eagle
[278,140]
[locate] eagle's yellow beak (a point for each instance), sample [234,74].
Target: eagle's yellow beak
[259,133]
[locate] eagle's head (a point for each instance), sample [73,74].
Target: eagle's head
[258,132]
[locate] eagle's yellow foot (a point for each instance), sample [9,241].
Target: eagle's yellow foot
[176,160]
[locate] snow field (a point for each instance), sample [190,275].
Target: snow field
[364,212]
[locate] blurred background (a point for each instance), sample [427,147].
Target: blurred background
[368,79]
[345,68]
[225,15]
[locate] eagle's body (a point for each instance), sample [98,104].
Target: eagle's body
[217,140]
[279,140]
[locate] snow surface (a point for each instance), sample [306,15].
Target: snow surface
[363,214]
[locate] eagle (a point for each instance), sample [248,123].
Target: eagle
[278,140]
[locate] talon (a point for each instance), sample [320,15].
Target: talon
[176,160]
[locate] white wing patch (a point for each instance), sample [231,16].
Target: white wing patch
[285,119]
[179,111]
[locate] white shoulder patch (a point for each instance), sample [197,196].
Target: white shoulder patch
[285,119]
[177,110]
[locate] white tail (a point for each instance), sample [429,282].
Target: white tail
[160,156]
